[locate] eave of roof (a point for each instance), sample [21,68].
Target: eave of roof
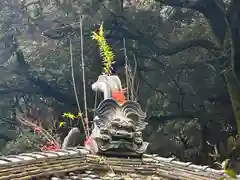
[77,163]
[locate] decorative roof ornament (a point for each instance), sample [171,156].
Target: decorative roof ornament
[118,124]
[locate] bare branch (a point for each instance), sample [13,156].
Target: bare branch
[210,9]
[123,27]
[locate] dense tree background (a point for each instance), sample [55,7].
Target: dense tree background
[181,54]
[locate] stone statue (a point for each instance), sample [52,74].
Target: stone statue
[118,123]
[117,126]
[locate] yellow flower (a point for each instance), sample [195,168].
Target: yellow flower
[61,124]
[79,115]
[69,115]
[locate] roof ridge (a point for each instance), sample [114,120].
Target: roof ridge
[36,164]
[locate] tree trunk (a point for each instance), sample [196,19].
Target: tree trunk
[233,90]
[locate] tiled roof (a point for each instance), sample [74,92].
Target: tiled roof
[77,163]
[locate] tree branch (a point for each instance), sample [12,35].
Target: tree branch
[150,86]
[45,88]
[183,116]
[210,9]
[121,27]
[173,48]
[16,90]
[233,15]
[183,45]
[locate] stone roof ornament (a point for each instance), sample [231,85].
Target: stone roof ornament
[118,126]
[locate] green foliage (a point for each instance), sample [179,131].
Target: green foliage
[232,147]
[69,116]
[180,138]
[72,116]
[230,172]
[233,90]
[157,104]
[26,142]
[105,50]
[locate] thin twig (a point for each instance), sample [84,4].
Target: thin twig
[126,65]
[74,86]
[45,133]
[83,75]
[134,74]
